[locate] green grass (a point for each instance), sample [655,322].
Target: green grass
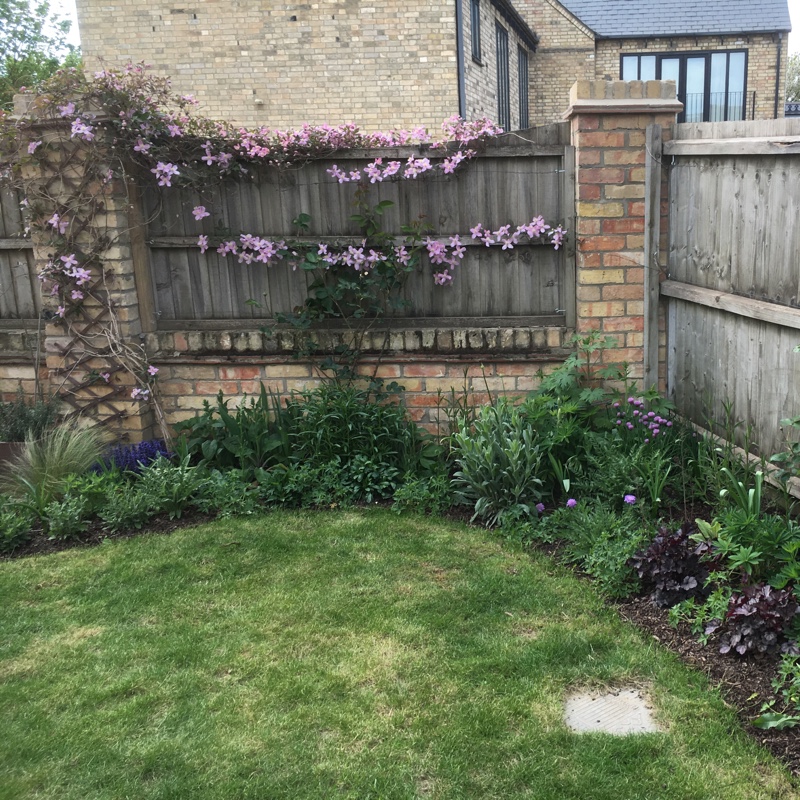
[348,655]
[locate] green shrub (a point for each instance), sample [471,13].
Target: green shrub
[317,426]
[431,495]
[334,483]
[600,541]
[302,485]
[341,423]
[498,462]
[126,508]
[254,436]
[94,488]
[67,518]
[226,494]
[170,488]
[764,548]
[21,418]
[15,524]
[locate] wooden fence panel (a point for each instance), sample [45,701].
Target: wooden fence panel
[511,182]
[19,288]
[733,223]
[717,358]
[734,274]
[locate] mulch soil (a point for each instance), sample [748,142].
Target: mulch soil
[745,683]
[39,544]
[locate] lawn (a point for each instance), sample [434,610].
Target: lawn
[338,655]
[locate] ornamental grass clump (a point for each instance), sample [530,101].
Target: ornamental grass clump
[41,471]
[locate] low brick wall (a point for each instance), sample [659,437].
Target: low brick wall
[194,367]
[18,365]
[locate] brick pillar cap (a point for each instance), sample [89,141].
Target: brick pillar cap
[623,97]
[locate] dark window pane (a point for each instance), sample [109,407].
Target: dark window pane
[522,61]
[503,98]
[475,20]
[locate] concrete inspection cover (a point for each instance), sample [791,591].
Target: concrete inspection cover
[620,712]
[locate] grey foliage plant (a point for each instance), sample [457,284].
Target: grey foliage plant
[498,460]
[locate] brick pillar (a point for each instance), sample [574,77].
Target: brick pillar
[609,120]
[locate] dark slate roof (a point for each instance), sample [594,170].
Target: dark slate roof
[617,19]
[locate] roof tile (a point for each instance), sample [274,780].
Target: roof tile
[614,19]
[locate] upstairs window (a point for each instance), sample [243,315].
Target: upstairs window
[503,89]
[475,26]
[711,86]
[522,66]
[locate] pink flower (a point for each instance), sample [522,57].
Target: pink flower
[141,146]
[164,172]
[540,508]
[629,499]
[200,212]
[32,147]
[77,294]
[151,370]
[202,243]
[572,502]
[83,130]
[106,376]
[60,311]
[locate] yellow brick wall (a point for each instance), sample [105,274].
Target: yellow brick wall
[565,54]
[481,78]
[761,60]
[380,65]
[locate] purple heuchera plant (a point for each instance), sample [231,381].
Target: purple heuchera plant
[673,568]
[757,619]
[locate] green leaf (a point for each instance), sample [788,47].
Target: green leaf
[776,721]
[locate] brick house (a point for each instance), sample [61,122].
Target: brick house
[414,63]
[728,57]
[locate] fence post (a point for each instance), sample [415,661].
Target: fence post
[652,236]
[609,122]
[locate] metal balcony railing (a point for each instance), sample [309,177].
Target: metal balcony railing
[718,106]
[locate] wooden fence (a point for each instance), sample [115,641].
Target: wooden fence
[19,290]
[733,287]
[513,180]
